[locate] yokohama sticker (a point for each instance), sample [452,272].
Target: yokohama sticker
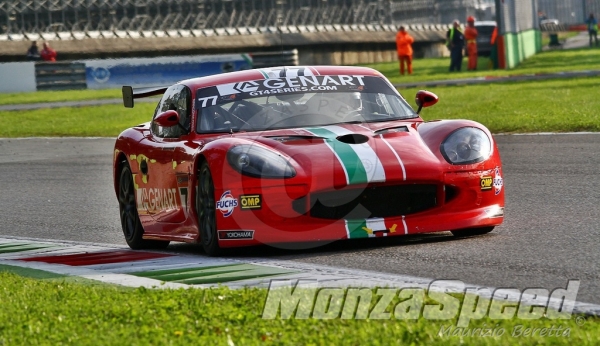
[227,203]
[239,234]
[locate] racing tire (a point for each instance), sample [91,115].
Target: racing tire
[206,210]
[469,232]
[130,220]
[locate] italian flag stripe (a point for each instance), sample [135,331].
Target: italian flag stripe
[360,161]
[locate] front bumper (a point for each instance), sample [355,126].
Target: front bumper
[272,214]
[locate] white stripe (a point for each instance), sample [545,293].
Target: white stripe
[347,230]
[397,156]
[366,154]
[338,158]
[405,227]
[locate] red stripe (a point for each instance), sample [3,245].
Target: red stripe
[391,165]
[105,257]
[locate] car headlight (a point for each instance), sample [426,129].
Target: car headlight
[466,145]
[256,161]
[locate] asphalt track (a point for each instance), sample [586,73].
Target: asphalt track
[61,189]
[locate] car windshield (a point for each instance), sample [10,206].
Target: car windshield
[301,101]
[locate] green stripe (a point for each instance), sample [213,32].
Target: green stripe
[30,273]
[213,274]
[264,73]
[348,157]
[355,229]
[18,247]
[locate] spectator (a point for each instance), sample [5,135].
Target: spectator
[48,54]
[471,37]
[455,41]
[494,51]
[405,52]
[592,25]
[33,53]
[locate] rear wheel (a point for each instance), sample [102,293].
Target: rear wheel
[468,232]
[206,210]
[130,221]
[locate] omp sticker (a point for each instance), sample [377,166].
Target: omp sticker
[486,183]
[227,203]
[360,162]
[238,234]
[250,201]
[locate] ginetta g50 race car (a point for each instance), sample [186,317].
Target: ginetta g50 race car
[300,154]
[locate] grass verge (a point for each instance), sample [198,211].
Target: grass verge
[424,70]
[59,96]
[562,105]
[544,62]
[38,312]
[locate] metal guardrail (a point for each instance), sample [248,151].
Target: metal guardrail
[60,76]
[287,29]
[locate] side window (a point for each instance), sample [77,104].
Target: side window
[178,98]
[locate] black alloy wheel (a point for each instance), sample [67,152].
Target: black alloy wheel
[206,210]
[130,221]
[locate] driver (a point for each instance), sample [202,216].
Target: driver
[337,104]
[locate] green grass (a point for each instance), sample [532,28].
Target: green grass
[544,62]
[562,105]
[108,120]
[567,105]
[59,96]
[41,312]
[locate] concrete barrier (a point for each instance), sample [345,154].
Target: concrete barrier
[17,77]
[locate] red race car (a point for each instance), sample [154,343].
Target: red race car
[300,154]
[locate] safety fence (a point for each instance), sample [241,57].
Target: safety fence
[568,12]
[53,16]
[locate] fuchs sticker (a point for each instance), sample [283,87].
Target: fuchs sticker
[250,202]
[227,203]
[498,181]
[236,235]
[486,183]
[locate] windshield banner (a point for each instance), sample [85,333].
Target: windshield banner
[224,93]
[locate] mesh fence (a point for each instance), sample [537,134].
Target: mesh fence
[19,16]
[568,11]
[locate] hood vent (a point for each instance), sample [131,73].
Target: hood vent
[392,130]
[353,138]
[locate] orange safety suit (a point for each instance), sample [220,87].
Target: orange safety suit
[405,52]
[471,37]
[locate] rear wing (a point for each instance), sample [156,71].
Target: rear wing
[129,94]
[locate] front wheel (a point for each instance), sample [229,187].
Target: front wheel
[469,232]
[206,210]
[130,221]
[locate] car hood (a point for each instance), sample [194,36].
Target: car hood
[355,154]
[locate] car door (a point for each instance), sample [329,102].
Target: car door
[166,197]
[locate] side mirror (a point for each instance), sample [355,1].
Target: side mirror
[167,119]
[425,98]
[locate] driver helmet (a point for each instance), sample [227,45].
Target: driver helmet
[355,101]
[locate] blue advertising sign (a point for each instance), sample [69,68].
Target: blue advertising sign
[161,71]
